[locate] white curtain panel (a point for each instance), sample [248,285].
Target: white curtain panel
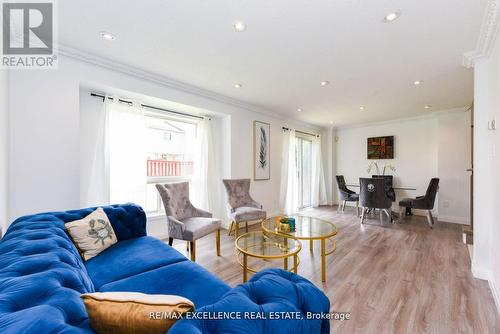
[318,191]
[94,162]
[289,188]
[198,193]
[127,153]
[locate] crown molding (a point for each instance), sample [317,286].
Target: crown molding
[432,115]
[487,35]
[165,81]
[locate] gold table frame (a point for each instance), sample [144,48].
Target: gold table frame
[244,253]
[322,238]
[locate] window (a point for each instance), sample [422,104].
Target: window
[170,147]
[303,151]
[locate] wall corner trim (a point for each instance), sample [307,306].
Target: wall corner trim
[487,35]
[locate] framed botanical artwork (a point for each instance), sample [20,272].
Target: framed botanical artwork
[261,151]
[380,147]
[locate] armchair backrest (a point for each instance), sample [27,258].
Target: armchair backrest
[388,179]
[430,194]
[372,193]
[238,193]
[175,198]
[341,182]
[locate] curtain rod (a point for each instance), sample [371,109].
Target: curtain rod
[148,106]
[304,133]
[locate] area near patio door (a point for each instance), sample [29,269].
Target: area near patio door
[304,170]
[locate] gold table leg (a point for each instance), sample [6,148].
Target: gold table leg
[217,241]
[295,263]
[237,230]
[323,260]
[285,263]
[311,245]
[244,267]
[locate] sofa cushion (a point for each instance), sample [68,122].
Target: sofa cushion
[129,258]
[186,279]
[246,213]
[270,290]
[92,234]
[198,227]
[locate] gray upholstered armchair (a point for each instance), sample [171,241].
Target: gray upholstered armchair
[425,202]
[185,222]
[373,195]
[242,207]
[345,194]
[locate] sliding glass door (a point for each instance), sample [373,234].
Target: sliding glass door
[304,171]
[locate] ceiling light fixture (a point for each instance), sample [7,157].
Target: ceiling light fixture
[392,16]
[240,26]
[427,106]
[361,107]
[299,109]
[418,82]
[324,83]
[107,36]
[238,85]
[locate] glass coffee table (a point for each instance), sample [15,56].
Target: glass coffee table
[307,228]
[267,247]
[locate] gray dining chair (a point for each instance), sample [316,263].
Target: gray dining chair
[345,194]
[242,207]
[185,222]
[373,195]
[425,202]
[389,181]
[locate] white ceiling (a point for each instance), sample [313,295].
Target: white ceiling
[289,47]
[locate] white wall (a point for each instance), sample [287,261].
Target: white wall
[434,146]
[415,151]
[486,255]
[454,148]
[44,160]
[4,147]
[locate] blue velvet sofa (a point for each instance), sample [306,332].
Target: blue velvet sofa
[42,277]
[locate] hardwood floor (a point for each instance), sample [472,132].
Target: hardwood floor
[403,278]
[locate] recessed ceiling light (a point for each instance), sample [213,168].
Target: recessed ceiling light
[418,82]
[324,83]
[299,109]
[392,16]
[107,36]
[238,85]
[240,26]
[427,106]
[361,107]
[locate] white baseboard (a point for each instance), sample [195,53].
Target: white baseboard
[454,220]
[496,293]
[485,274]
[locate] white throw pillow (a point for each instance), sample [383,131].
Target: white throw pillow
[92,234]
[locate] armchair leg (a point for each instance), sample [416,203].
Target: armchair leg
[187,246]
[230,229]
[236,230]
[246,227]
[357,208]
[192,245]
[217,241]
[363,212]
[170,241]
[402,210]
[343,206]
[430,219]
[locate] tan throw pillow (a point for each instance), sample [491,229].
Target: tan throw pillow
[133,312]
[92,234]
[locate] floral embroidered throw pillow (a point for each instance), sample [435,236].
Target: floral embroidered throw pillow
[92,234]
